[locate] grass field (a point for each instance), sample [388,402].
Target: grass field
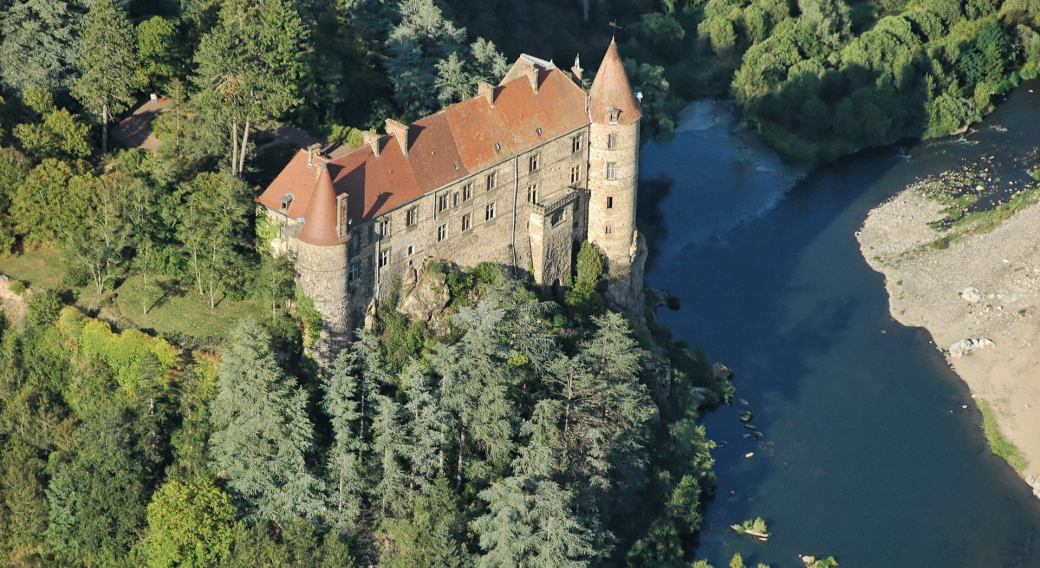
[173,307]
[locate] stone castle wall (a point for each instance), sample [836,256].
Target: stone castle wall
[535,235]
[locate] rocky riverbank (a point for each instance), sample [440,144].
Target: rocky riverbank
[976,288]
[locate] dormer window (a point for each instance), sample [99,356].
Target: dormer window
[498,147]
[613,114]
[538,131]
[287,200]
[456,164]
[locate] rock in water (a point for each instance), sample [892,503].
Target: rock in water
[720,371]
[971,294]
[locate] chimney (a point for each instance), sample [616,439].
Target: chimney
[372,139]
[577,70]
[399,131]
[487,91]
[312,152]
[532,75]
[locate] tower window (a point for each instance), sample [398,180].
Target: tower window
[411,250]
[489,211]
[532,162]
[611,170]
[532,193]
[442,232]
[286,201]
[611,140]
[608,230]
[466,222]
[576,174]
[610,203]
[614,113]
[384,258]
[411,217]
[492,181]
[576,143]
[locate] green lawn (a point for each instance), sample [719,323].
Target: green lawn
[177,309]
[173,308]
[41,268]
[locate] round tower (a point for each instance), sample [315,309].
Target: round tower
[322,256]
[613,162]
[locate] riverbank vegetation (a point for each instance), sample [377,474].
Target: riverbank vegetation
[1001,446]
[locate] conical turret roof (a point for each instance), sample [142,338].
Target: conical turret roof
[319,220]
[611,89]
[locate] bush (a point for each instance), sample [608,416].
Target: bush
[17,287]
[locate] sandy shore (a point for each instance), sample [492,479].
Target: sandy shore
[926,288]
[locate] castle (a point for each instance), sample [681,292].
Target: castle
[518,176]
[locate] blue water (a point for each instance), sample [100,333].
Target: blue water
[867,455]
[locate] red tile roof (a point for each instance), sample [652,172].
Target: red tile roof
[611,88]
[442,148]
[321,228]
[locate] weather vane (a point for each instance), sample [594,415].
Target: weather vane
[616,27]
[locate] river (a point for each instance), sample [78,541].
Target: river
[867,452]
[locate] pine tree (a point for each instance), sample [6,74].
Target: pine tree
[261,432]
[108,64]
[39,44]
[529,524]
[249,69]
[432,537]
[390,445]
[429,425]
[344,480]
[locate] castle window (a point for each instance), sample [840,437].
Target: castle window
[576,174]
[455,199]
[610,203]
[611,170]
[576,143]
[557,217]
[384,227]
[608,230]
[442,232]
[411,250]
[286,201]
[465,222]
[355,272]
[355,242]
[532,162]
[411,217]
[532,193]
[614,114]
[384,258]
[492,180]
[611,140]
[467,191]
[489,212]
[442,202]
